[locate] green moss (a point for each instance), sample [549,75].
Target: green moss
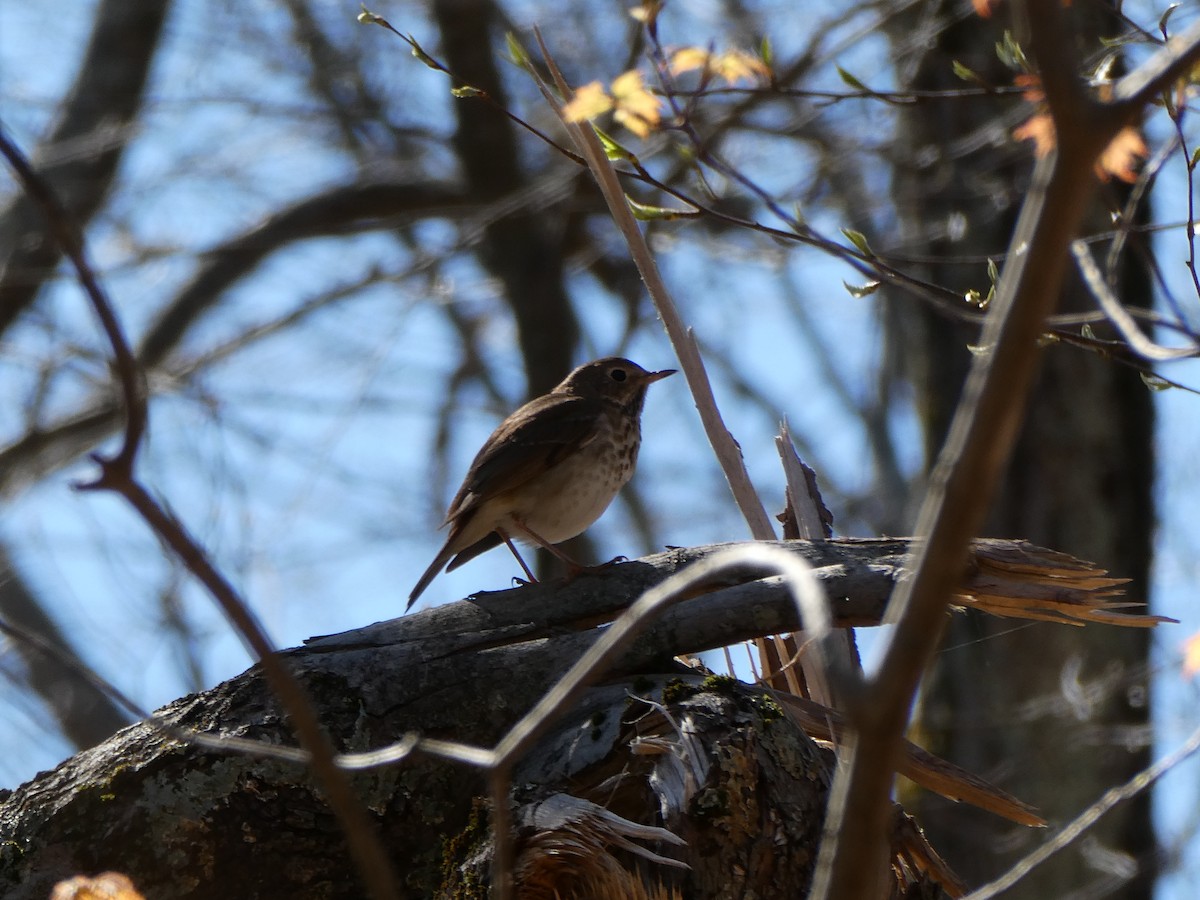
[676,690]
[767,707]
[11,851]
[458,881]
[712,803]
[720,684]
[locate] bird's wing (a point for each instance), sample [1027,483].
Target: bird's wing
[539,435]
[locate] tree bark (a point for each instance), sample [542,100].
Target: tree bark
[185,820]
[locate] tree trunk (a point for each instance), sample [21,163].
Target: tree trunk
[654,754]
[1054,715]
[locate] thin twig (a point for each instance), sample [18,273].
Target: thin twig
[1087,819]
[728,453]
[812,607]
[117,475]
[65,232]
[852,861]
[1118,315]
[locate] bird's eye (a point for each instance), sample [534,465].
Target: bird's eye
[617,374]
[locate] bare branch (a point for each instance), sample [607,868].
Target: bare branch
[1116,312]
[117,475]
[344,209]
[1140,782]
[811,604]
[1147,81]
[99,115]
[981,437]
[69,239]
[728,453]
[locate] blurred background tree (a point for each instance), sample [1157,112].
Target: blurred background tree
[338,277]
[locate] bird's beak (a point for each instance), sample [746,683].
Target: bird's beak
[659,376]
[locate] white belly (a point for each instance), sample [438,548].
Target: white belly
[567,499]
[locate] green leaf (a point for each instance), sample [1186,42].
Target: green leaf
[466,90]
[865,290]
[766,54]
[852,81]
[964,73]
[646,213]
[979,349]
[1086,331]
[517,52]
[369,18]
[974,298]
[1011,54]
[1152,381]
[993,272]
[859,240]
[1195,157]
[420,54]
[612,149]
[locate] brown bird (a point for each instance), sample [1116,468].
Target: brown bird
[551,468]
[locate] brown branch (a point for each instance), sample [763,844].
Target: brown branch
[117,475]
[853,855]
[361,835]
[727,451]
[70,242]
[85,714]
[424,670]
[345,209]
[97,120]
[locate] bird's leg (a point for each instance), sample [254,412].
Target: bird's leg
[574,568]
[532,535]
[513,547]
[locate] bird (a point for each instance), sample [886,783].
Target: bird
[550,469]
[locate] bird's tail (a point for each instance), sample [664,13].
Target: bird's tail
[431,573]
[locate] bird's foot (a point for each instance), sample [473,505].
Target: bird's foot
[574,569]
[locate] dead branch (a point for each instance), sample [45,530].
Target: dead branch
[435,672]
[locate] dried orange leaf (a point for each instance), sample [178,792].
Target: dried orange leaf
[589,101]
[636,107]
[1191,655]
[647,12]
[985,8]
[1121,155]
[1038,128]
[1033,87]
[731,66]
[734,65]
[106,886]
[688,59]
